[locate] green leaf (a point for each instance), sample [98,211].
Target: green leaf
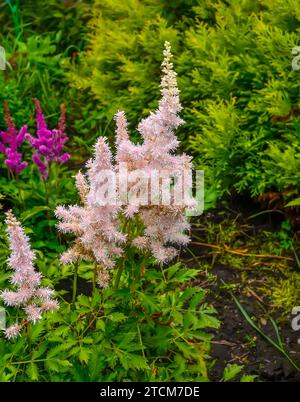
[187,350]
[293,203]
[100,324]
[84,301]
[248,378]
[133,361]
[32,371]
[32,212]
[40,351]
[231,371]
[57,364]
[117,317]
[84,355]
[207,320]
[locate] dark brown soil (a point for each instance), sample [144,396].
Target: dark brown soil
[231,343]
[236,342]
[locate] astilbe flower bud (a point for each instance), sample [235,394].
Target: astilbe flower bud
[30,296]
[48,144]
[10,142]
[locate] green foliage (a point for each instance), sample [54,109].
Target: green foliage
[231,371]
[151,328]
[39,42]
[285,292]
[238,89]
[241,107]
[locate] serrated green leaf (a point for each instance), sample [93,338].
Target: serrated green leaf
[84,355]
[116,317]
[32,371]
[231,371]
[248,378]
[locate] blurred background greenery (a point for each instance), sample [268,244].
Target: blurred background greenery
[233,58]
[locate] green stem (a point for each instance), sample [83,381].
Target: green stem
[141,341]
[46,193]
[118,276]
[278,346]
[75,284]
[28,335]
[15,13]
[94,278]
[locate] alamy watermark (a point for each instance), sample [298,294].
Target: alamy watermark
[183,188]
[2,58]
[2,319]
[295,61]
[296,319]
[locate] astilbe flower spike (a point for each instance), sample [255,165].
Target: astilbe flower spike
[10,142]
[94,226]
[164,224]
[29,295]
[48,144]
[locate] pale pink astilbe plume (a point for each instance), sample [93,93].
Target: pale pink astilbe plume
[13,331]
[49,305]
[94,225]
[164,224]
[157,130]
[103,278]
[126,151]
[29,294]
[45,294]
[33,313]
[82,187]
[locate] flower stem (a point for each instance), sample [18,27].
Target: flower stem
[118,276]
[94,278]
[28,334]
[75,284]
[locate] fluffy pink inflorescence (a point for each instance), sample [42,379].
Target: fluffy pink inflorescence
[10,142]
[29,295]
[13,331]
[94,226]
[164,224]
[49,144]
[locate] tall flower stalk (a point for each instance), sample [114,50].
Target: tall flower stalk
[10,142]
[164,224]
[95,226]
[97,237]
[28,296]
[48,144]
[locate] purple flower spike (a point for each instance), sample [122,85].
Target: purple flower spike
[48,144]
[41,166]
[10,141]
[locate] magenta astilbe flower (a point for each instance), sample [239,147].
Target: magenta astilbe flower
[30,296]
[48,144]
[10,142]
